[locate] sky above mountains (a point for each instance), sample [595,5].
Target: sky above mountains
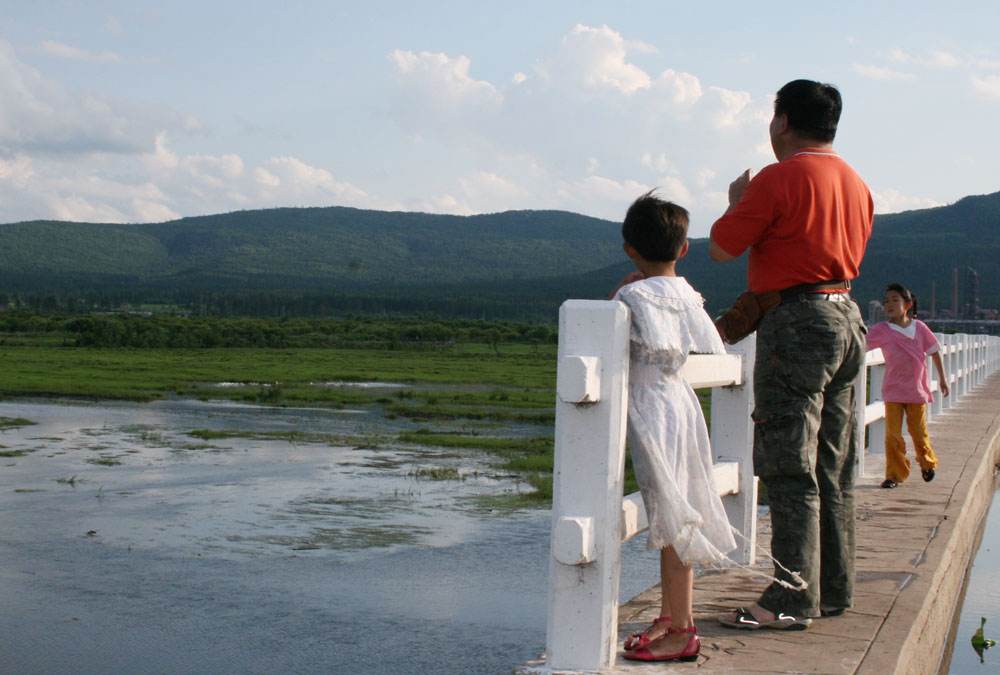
[115,111]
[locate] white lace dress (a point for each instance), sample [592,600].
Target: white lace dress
[667,434]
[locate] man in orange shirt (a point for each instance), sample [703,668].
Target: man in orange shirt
[806,221]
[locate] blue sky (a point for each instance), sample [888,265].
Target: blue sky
[135,111]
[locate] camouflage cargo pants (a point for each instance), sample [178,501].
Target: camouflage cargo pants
[809,353]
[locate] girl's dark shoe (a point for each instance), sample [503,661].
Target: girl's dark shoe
[890,483]
[928,475]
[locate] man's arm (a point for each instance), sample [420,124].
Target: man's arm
[717,253]
[736,190]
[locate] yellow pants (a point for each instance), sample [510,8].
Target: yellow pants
[897,466]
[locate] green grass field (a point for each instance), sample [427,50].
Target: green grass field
[516,385]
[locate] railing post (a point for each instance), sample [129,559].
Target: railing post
[966,362]
[860,403]
[950,364]
[938,402]
[732,439]
[876,430]
[591,402]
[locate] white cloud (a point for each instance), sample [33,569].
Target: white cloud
[441,77]
[729,105]
[519,78]
[881,73]
[484,185]
[78,209]
[658,163]
[892,201]
[265,177]
[301,179]
[40,115]
[16,169]
[161,157]
[987,87]
[705,177]
[65,51]
[152,212]
[673,189]
[899,56]
[596,58]
[944,60]
[681,89]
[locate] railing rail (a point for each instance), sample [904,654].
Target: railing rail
[590,518]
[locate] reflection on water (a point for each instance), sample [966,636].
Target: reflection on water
[129,545]
[982,600]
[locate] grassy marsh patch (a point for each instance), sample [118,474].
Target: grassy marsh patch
[13,453]
[104,461]
[15,422]
[438,473]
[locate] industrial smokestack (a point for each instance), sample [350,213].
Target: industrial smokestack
[954,292]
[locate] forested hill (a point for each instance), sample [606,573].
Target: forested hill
[317,248]
[516,264]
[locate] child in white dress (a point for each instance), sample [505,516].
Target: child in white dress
[667,434]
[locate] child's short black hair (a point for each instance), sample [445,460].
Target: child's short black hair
[657,229]
[906,294]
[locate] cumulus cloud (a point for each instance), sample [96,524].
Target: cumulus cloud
[892,201]
[681,89]
[442,78]
[16,169]
[656,162]
[64,51]
[881,73]
[40,115]
[934,59]
[987,87]
[596,58]
[673,189]
[75,208]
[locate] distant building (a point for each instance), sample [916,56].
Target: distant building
[876,313]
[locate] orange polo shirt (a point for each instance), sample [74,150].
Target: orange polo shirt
[805,219]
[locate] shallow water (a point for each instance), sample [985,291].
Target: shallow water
[982,600]
[245,555]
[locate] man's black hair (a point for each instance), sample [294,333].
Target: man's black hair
[657,229]
[906,294]
[813,109]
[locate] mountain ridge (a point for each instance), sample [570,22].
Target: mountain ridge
[535,258]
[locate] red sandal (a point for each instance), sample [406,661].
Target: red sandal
[637,640]
[690,652]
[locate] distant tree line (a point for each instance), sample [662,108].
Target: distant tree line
[163,331]
[537,305]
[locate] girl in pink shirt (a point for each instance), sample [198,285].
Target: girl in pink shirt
[905,342]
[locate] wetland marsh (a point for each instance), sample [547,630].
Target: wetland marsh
[260,510]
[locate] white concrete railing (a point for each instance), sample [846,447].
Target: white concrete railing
[590,518]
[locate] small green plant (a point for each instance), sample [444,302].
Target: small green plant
[15,422]
[104,460]
[438,473]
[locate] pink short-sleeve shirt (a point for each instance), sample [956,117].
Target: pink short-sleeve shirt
[905,351]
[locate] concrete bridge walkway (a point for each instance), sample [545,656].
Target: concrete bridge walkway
[914,545]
